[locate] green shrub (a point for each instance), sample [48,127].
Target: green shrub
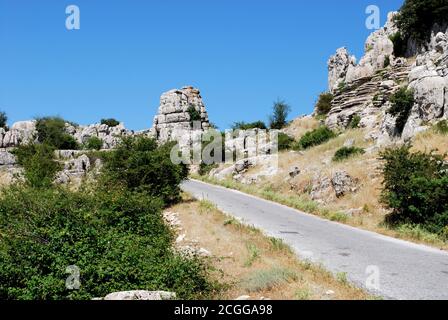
[417,17]
[110,122]
[441,127]
[93,143]
[316,137]
[402,103]
[342,86]
[285,142]
[323,105]
[141,165]
[3,120]
[278,119]
[195,115]
[51,131]
[400,44]
[116,238]
[354,122]
[37,161]
[347,152]
[415,187]
[248,126]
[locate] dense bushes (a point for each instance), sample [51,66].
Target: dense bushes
[402,102]
[110,122]
[416,188]
[93,143]
[37,161]
[111,230]
[115,237]
[51,131]
[417,17]
[280,112]
[285,142]
[347,152]
[142,166]
[323,105]
[315,137]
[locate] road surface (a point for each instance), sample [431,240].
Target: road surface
[391,268]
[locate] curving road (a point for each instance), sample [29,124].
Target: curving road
[391,268]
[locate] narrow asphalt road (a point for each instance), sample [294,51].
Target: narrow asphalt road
[396,268]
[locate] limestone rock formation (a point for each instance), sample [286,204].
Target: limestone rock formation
[20,132]
[110,136]
[173,121]
[364,89]
[140,295]
[343,183]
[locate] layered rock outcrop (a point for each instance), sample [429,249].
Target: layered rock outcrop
[175,119]
[364,89]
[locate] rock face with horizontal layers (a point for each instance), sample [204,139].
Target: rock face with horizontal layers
[173,121]
[363,89]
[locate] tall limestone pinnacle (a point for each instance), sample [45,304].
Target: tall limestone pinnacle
[174,117]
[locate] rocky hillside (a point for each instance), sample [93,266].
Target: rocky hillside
[181,112]
[363,89]
[314,179]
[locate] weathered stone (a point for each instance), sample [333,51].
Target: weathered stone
[173,120]
[7,158]
[294,172]
[141,295]
[343,183]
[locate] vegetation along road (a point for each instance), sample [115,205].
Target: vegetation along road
[390,268]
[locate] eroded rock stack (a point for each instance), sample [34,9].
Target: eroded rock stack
[174,121]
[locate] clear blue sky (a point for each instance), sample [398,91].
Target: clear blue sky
[241,54]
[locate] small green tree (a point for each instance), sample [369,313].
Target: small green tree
[415,187]
[278,119]
[3,119]
[141,165]
[111,122]
[323,105]
[402,103]
[51,131]
[37,160]
[285,142]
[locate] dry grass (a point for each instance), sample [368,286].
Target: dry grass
[254,264]
[300,126]
[430,140]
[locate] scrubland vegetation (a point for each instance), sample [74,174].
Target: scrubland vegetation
[111,229]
